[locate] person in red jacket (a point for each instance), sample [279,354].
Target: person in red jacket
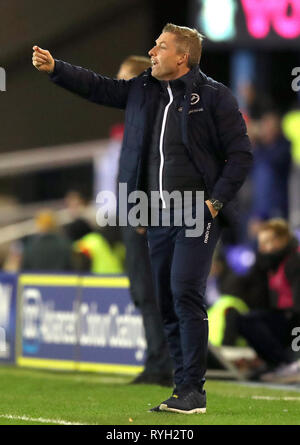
[268,329]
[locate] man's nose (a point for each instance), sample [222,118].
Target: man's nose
[152,51]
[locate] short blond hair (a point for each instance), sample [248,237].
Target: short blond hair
[188,41]
[278,226]
[137,64]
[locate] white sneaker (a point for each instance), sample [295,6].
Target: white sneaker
[284,374]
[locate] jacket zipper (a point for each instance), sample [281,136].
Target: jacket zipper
[161,141]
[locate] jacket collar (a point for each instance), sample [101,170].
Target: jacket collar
[192,79]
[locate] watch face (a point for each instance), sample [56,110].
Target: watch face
[217,205]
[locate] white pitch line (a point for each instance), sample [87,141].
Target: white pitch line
[39,419]
[276,398]
[108,380]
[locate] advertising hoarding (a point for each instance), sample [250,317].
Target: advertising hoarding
[79,323]
[8,287]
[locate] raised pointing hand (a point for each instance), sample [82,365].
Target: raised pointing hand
[42,60]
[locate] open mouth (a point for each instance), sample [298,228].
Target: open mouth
[153,62]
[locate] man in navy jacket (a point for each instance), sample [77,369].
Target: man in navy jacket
[183,132]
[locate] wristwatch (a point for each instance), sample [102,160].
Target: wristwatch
[217,205]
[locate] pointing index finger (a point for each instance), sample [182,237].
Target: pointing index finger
[40,50]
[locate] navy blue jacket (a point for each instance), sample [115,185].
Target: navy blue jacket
[213,129]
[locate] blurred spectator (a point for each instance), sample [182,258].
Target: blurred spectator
[77,229]
[270,173]
[92,251]
[95,255]
[275,278]
[224,312]
[223,321]
[113,236]
[256,102]
[291,130]
[263,128]
[76,205]
[48,250]
[14,257]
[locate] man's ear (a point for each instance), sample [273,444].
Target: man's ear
[183,59]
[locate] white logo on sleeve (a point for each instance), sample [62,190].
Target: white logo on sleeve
[194,98]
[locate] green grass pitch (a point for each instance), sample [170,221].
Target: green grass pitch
[46,397]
